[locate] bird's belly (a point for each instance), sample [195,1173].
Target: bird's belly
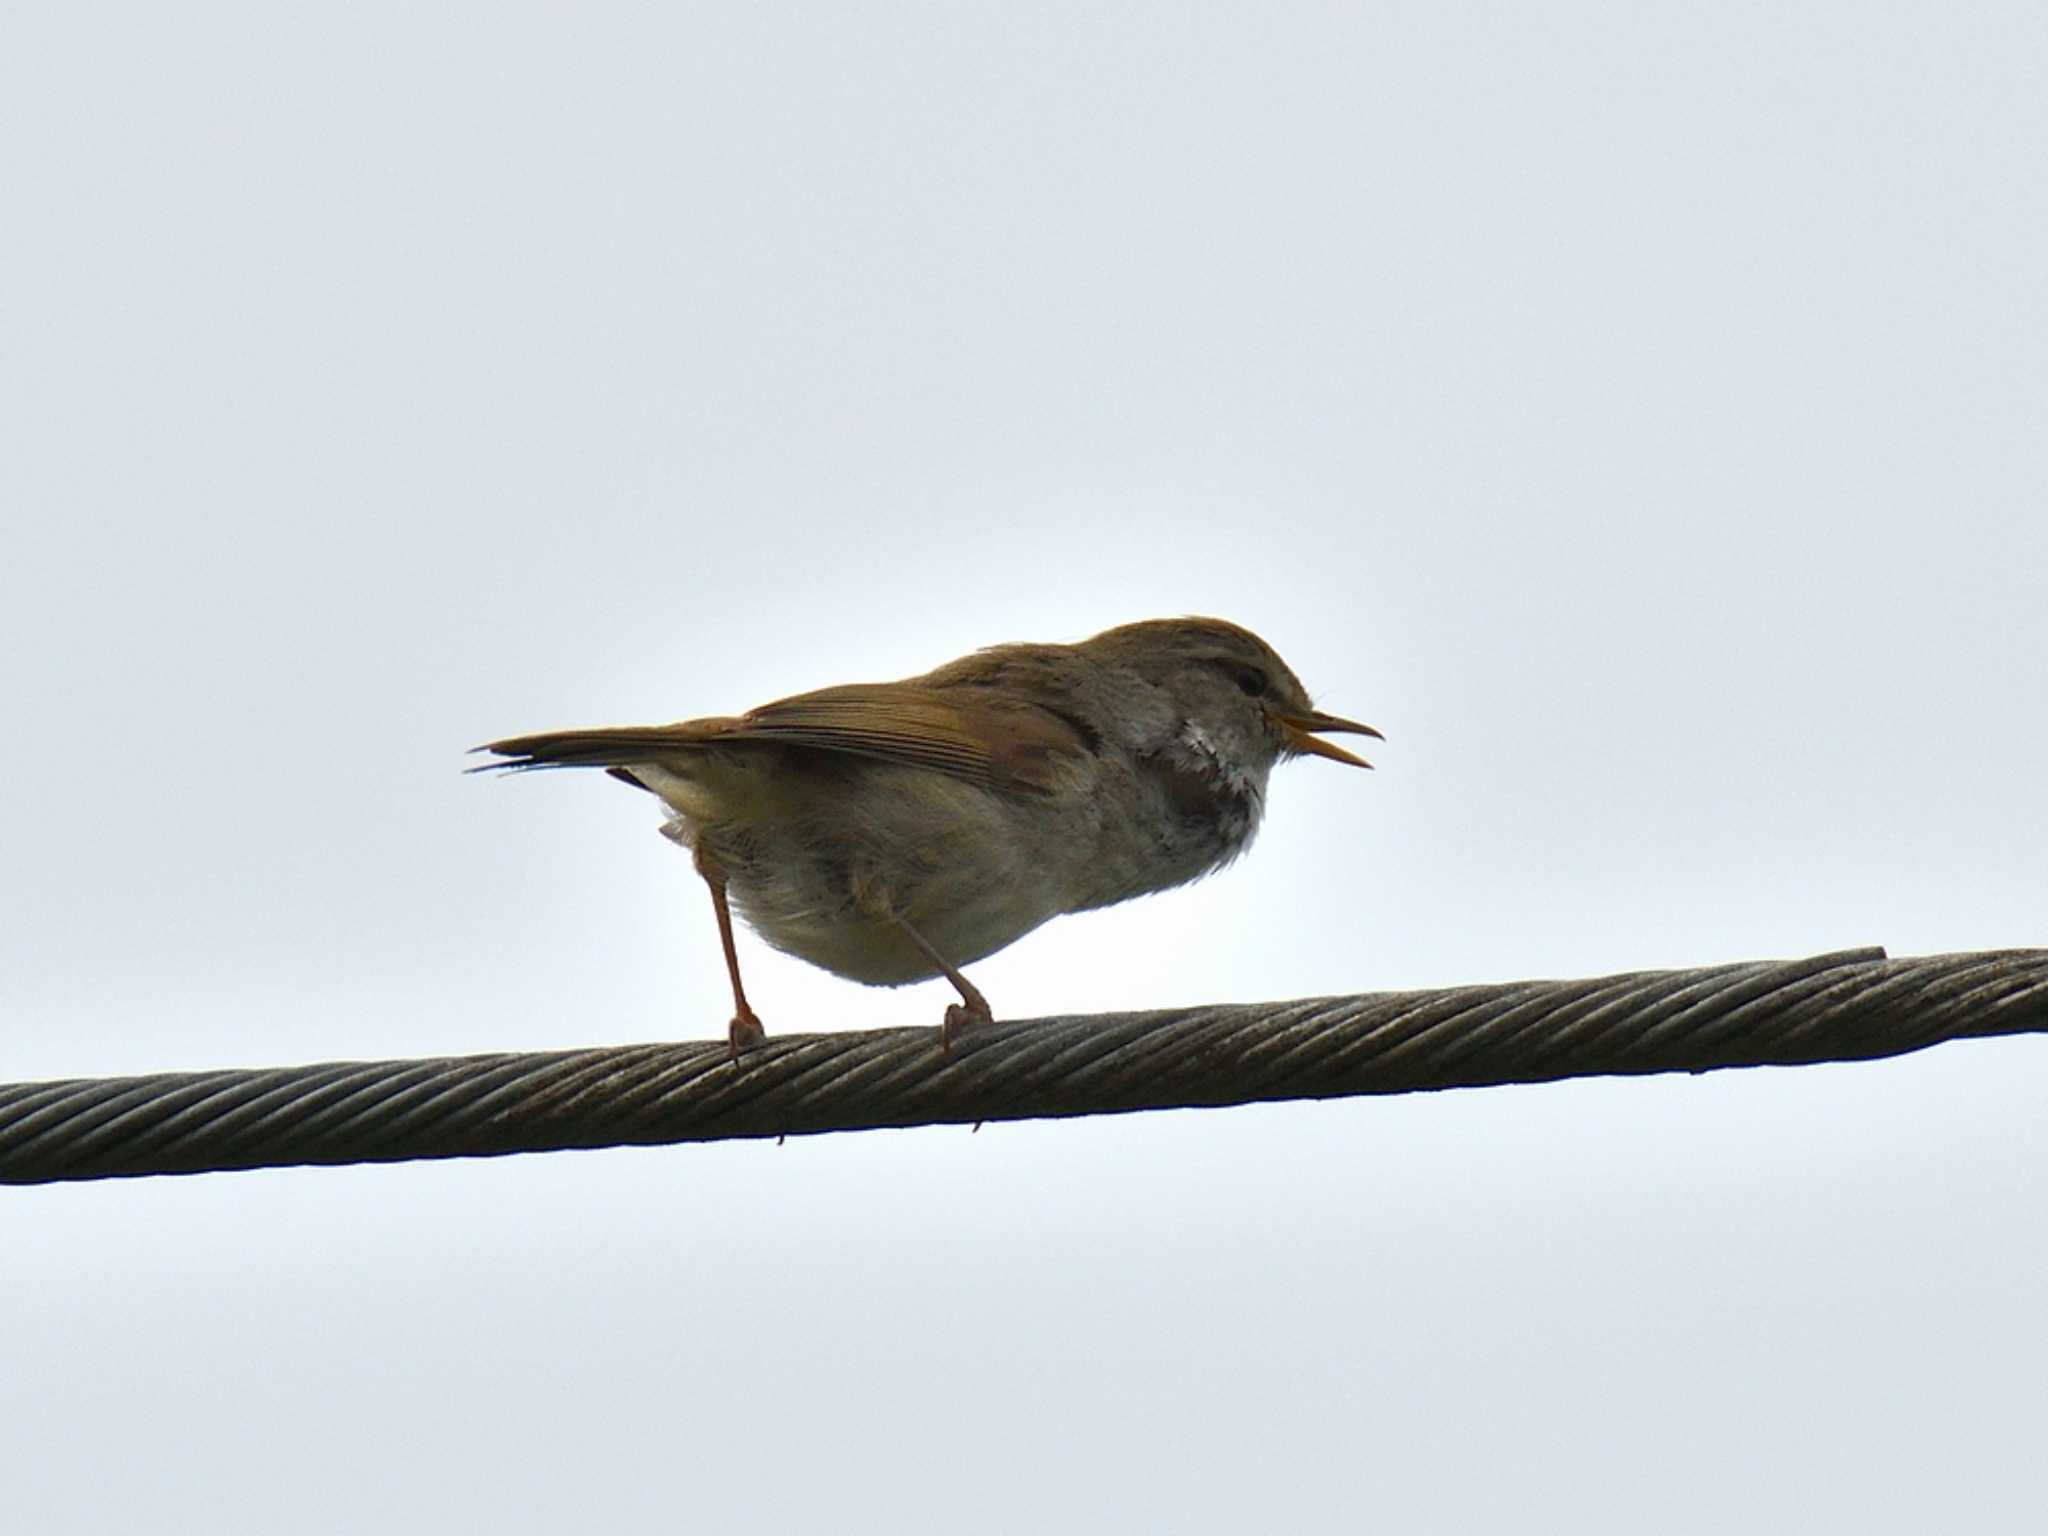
[954,861]
[866,947]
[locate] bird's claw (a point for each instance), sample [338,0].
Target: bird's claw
[744,1031]
[959,1015]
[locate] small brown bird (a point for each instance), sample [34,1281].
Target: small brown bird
[892,832]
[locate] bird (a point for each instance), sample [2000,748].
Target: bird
[895,832]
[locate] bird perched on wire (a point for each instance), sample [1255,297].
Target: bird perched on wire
[892,832]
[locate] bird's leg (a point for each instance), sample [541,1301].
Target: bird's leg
[745,1029]
[871,896]
[971,1009]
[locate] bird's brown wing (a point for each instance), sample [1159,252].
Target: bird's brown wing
[972,732]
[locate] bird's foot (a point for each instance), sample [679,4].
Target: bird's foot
[744,1031]
[958,1015]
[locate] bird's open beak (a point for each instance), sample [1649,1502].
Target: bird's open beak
[1297,727]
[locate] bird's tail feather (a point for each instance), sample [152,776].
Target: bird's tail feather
[599,747]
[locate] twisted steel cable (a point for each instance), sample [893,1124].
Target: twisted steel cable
[1854,1005]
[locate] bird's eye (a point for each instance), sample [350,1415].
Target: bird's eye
[1252,681]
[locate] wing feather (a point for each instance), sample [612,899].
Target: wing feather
[976,733]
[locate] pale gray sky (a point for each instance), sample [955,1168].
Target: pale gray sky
[1634,410]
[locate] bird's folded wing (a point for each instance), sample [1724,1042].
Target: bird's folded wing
[974,733]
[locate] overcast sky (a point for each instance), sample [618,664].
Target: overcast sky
[1636,411]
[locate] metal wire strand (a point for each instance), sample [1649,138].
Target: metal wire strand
[1853,1005]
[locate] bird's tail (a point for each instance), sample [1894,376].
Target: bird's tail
[615,746]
